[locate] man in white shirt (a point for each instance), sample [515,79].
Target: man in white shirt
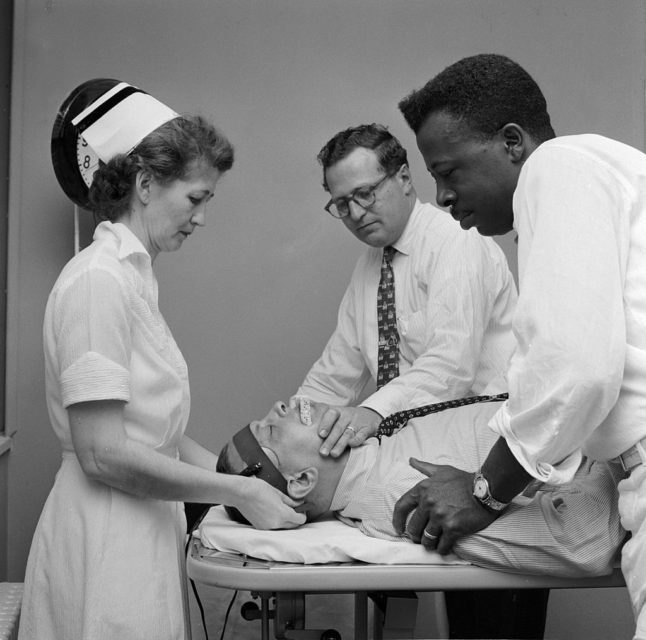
[577,379]
[567,530]
[454,295]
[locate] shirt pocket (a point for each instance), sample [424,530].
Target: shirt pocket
[412,334]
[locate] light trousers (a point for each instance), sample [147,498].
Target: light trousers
[632,510]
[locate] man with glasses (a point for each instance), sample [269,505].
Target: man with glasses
[454,296]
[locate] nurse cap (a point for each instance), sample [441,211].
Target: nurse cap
[120,119]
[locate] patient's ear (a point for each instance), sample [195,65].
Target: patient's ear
[300,484]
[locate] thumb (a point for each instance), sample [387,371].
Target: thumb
[298,520]
[289,501]
[426,468]
[298,516]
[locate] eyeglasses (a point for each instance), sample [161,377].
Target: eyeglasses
[363,196]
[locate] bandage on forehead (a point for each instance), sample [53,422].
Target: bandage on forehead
[120,119]
[251,452]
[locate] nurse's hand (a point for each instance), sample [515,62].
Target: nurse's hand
[267,508]
[443,508]
[343,427]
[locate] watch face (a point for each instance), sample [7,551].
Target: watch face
[73,160]
[480,488]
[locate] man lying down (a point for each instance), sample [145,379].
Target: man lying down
[567,530]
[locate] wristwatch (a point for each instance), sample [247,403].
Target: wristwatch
[483,495]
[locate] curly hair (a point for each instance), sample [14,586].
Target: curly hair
[390,153]
[486,92]
[168,153]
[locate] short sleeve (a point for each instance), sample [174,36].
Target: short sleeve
[93,340]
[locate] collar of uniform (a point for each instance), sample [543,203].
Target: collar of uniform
[129,244]
[360,462]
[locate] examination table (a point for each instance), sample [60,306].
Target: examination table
[220,555]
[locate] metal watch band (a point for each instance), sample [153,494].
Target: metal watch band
[487,499]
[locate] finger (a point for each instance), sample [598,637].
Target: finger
[430,537]
[446,543]
[327,422]
[360,437]
[297,521]
[403,507]
[290,521]
[291,513]
[417,524]
[426,468]
[349,433]
[336,434]
[290,502]
[367,431]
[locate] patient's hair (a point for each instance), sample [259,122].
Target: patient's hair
[376,137]
[486,92]
[224,465]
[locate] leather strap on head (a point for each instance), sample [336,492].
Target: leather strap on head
[251,452]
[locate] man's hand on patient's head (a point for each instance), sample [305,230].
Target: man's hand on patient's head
[346,426]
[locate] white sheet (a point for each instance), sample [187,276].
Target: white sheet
[319,542]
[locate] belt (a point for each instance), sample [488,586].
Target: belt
[634,456]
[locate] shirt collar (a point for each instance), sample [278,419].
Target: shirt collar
[405,242]
[360,463]
[128,242]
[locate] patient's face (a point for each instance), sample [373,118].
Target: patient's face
[287,436]
[287,439]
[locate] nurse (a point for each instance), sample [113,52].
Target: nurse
[106,559]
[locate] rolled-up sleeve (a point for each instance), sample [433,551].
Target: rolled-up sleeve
[93,339]
[566,372]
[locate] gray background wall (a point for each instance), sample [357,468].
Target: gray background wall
[252,298]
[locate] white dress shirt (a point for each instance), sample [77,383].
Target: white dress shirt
[577,380]
[564,530]
[454,296]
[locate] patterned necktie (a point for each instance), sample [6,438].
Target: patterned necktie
[388,357]
[397,420]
